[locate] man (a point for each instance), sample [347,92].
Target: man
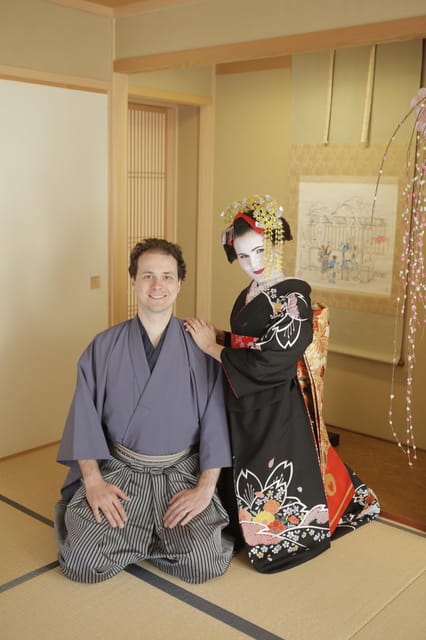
[146,437]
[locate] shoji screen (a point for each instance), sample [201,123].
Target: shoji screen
[147,166]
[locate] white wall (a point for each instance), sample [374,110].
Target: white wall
[53,238]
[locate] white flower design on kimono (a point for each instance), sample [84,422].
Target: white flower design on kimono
[268,515]
[285,331]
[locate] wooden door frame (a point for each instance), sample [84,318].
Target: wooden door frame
[121,95]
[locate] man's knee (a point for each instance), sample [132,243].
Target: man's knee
[82,556]
[79,566]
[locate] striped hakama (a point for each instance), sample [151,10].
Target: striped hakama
[92,552]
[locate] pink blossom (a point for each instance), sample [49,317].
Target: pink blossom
[418,103]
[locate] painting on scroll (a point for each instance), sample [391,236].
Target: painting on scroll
[340,244]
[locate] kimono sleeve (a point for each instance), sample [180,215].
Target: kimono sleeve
[273,359]
[83,436]
[214,442]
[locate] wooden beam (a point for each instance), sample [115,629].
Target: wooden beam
[117,9]
[85,5]
[133,8]
[161,96]
[205,212]
[53,79]
[359,35]
[118,252]
[248,66]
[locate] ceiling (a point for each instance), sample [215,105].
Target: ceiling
[114,4]
[119,7]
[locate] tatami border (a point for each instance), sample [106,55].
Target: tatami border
[175,591]
[28,512]
[213,610]
[28,576]
[220,614]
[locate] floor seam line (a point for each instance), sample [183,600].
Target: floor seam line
[28,576]
[235,621]
[217,612]
[387,604]
[402,527]
[26,510]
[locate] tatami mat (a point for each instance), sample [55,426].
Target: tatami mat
[125,608]
[33,479]
[370,585]
[26,544]
[401,619]
[347,585]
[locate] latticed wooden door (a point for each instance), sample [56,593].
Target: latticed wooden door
[147,178]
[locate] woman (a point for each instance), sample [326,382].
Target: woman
[292,490]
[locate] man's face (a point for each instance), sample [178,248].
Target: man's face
[156,284]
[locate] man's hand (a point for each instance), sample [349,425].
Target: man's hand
[185,505]
[103,497]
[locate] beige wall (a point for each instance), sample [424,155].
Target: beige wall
[258,116]
[216,22]
[187,181]
[253,134]
[358,390]
[397,78]
[38,35]
[194,81]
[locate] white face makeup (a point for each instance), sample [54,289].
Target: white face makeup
[249,249]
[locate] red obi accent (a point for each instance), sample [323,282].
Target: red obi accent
[338,487]
[242,342]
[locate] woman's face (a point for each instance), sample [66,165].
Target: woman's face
[249,250]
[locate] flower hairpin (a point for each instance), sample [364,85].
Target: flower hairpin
[266,211]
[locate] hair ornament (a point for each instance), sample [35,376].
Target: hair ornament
[266,211]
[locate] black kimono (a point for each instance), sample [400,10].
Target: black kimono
[283,509]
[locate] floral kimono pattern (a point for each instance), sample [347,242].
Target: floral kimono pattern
[292,489]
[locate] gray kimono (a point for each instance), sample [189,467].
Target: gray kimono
[118,399]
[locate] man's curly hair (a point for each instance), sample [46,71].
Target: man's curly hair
[157,245]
